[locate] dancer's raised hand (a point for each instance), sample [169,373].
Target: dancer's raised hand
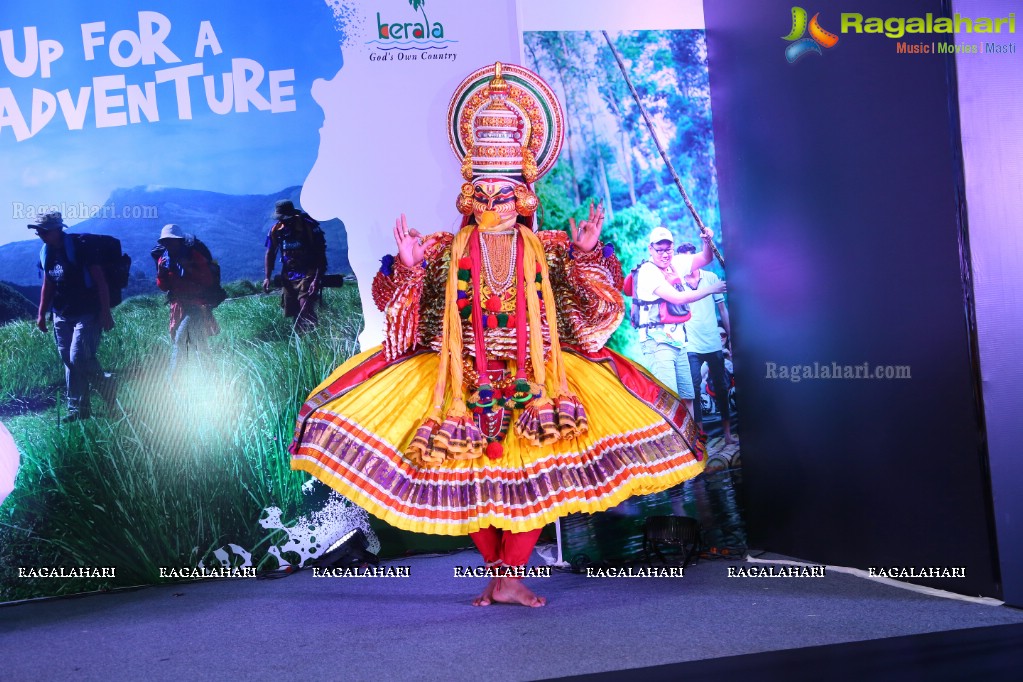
[587,234]
[411,245]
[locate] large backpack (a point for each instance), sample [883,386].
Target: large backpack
[97,249]
[663,312]
[214,294]
[304,237]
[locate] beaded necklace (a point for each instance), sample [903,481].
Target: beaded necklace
[504,252]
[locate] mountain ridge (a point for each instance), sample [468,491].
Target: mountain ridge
[234,227]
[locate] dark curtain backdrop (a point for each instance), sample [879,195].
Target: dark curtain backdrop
[841,185]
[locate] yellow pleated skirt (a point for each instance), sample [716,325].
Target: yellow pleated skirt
[355,442]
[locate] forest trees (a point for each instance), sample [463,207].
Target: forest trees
[609,153]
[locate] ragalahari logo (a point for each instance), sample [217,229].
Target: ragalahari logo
[818,36]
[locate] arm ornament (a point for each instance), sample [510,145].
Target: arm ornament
[588,288]
[402,311]
[383,283]
[398,290]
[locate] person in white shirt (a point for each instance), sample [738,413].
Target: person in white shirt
[705,341]
[662,335]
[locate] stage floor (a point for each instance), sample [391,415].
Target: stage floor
[423,627]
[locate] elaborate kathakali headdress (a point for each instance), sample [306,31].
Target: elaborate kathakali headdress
[505,122]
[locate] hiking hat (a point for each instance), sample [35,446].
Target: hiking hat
[284,209]
[49,221]
[661,234]
[171,231]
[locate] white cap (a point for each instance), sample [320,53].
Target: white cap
[172,232]
[661,234]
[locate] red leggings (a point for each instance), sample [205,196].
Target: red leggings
[503,547]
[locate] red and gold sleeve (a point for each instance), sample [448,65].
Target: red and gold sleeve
[404,294]
[588,289]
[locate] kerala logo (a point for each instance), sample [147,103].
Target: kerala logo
[801,46]
[411,35]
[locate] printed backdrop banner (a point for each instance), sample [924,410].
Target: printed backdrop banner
[104,97]
[611,156]
[126,117]
[383,146]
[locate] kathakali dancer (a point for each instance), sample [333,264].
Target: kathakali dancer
[493,408]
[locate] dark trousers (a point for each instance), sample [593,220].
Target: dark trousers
[716,365]
[298,302]
[77,341]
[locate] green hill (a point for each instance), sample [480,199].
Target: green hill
[13,305]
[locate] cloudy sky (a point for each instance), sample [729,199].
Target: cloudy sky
[239,152]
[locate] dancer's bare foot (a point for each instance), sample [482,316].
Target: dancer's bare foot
[512,591]
[730,439]
[487,597]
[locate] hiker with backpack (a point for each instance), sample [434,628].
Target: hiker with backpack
[186,270]
[77,291]
[660,309]
[303,250]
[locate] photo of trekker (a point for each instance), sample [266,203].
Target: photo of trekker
[664,309]
[77,291]
[704,342]
[640,136]
[303,249]
[186,270]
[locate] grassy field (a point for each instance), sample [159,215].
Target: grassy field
[170,472]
